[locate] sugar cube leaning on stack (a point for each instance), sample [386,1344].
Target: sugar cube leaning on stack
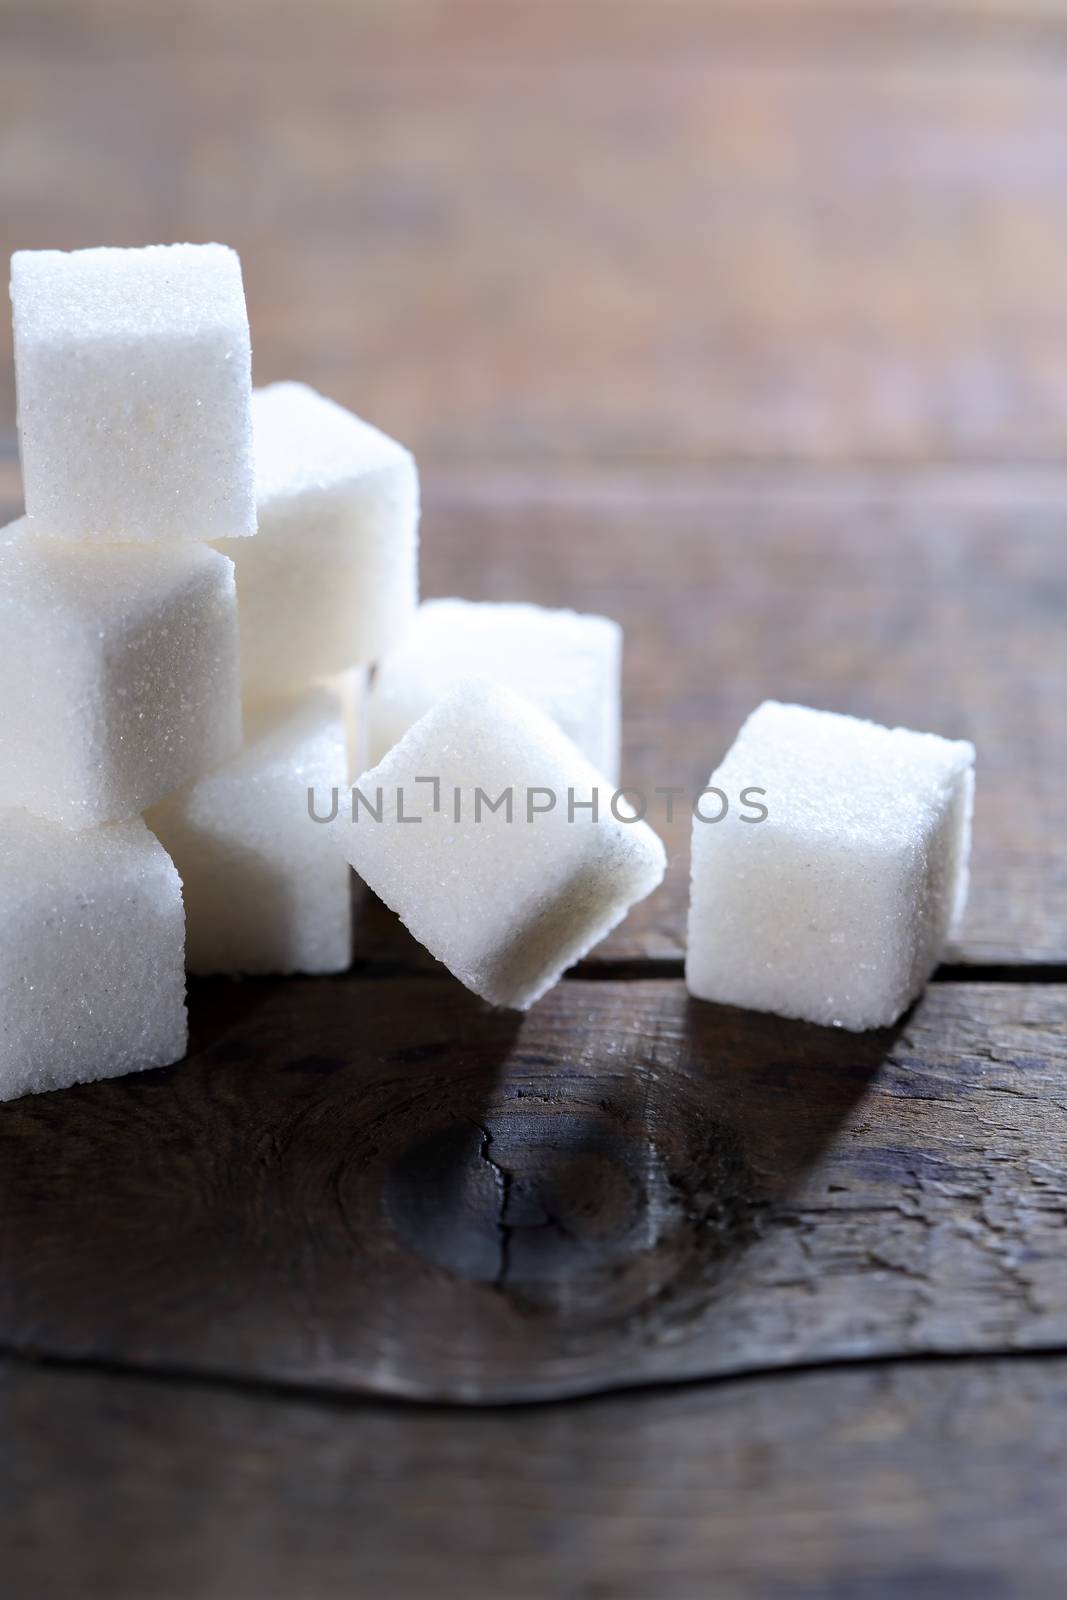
[490,698]
[119,669]
[523,856]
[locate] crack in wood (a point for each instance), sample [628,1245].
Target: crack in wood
[341,1396]
[504,1181]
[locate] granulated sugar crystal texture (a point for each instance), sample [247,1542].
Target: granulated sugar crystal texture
[92,981]
[564,662]
[331,580]
[266,887]
[506,898]
[835,907]
[134,378]
[119,675]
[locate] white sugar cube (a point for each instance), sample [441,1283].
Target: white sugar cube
[505,898]
[331,580]
[836,906]
[119,677]
[351,689]
[134,378]
[92,977]
[566,663]
[266,888]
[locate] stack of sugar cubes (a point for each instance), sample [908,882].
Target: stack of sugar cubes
[172,681]
[189,609]
[209,617]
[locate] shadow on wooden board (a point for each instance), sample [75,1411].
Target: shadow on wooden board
[390,1187]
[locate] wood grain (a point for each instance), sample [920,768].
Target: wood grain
[387,1187]
[930,600]
[668,230]
[935,1481]
[743,323]
[937,601]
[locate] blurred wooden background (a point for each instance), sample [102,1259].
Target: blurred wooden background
[747,323]
[524,229]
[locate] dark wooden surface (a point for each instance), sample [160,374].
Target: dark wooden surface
[819,1486]
[745,324]
[386,1186]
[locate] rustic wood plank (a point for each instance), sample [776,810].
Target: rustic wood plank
[387,1187]
[707,233]
[930,602]
[934,1481]
[933,600]
[655,229]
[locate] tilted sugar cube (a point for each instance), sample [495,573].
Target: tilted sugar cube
[119,676]
[564,662]
[836,906]
[266,887]
[134,377]
[331,580]
[92,977]
[506,899]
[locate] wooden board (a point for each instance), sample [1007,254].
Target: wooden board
[667,229]
[935,1481]
[935,601]
[744,323]
[386,1187]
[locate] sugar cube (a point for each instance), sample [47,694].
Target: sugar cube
[564,662]
[266,887]
[835,906]
[351,689]
[506,898]
[134,377]
[92,979]
[331,580]
[119,676]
